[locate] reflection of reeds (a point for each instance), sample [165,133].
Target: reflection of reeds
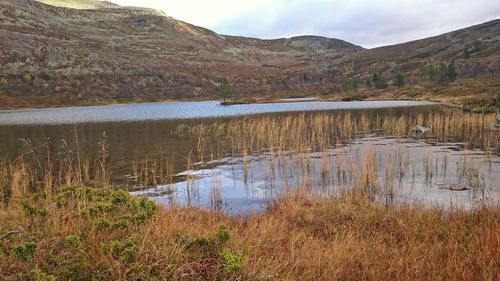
[325,168]
[304,134]
[428,167]
[102,171]
[475,181]
[389,180]
[368,180]
[245,166]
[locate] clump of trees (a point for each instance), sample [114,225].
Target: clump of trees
[349,84]
[469,51]
[378,80]
[443,74]
[399,79]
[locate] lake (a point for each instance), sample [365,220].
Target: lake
[148,133]
[177,110]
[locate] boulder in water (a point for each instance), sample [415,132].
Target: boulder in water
[496,125]
[420,129]
[453,187]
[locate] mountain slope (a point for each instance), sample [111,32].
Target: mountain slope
[80,4]
[102,51]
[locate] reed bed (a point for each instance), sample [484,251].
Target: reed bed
[292,140]
[41,168]
[299,133]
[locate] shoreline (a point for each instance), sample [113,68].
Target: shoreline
[226,103]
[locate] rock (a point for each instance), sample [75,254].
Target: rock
[453,187]
[420,129]
[496,124]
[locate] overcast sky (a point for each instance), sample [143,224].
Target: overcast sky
[369,23]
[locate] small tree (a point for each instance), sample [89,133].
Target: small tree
[452,72]
[446,73]
[224,90]
[379,80]
[368,83]
[466,53]
[399,79]
[431,72]
[349,84]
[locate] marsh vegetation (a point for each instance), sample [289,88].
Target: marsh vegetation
[340,196]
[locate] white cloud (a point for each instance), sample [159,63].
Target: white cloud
[366,22]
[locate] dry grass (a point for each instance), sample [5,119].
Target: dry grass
[102,234]
[51,227]
[319,131]
[469,94]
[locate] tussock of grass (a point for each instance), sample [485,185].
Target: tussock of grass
[85,233]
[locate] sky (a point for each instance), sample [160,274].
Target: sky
[369,23]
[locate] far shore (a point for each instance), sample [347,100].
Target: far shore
[466,95]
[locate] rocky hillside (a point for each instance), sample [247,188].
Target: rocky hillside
[80,4]
[81,51]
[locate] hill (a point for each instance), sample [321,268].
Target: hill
[56,52]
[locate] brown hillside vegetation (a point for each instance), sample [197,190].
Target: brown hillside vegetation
[102,53]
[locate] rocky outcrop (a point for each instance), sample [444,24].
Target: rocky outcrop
[321,43]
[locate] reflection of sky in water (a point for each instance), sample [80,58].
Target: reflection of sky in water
[175,110]
[151,139]
[224,186]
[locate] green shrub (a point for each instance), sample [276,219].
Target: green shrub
[103,223]
[40,275]
[399,79]
[379,81]
[124,250]
[230,262]
[121,223]
[73,240]
[31,210]
[24,251]
[223,234]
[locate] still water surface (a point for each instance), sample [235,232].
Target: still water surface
[139,131]
[176,110]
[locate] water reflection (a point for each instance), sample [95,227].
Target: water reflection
[406,170]
[129,141]
[176,110]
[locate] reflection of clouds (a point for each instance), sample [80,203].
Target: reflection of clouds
[364,22]
[233,196]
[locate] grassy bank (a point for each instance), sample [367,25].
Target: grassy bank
[474,95]
[96,234]
[467,94]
